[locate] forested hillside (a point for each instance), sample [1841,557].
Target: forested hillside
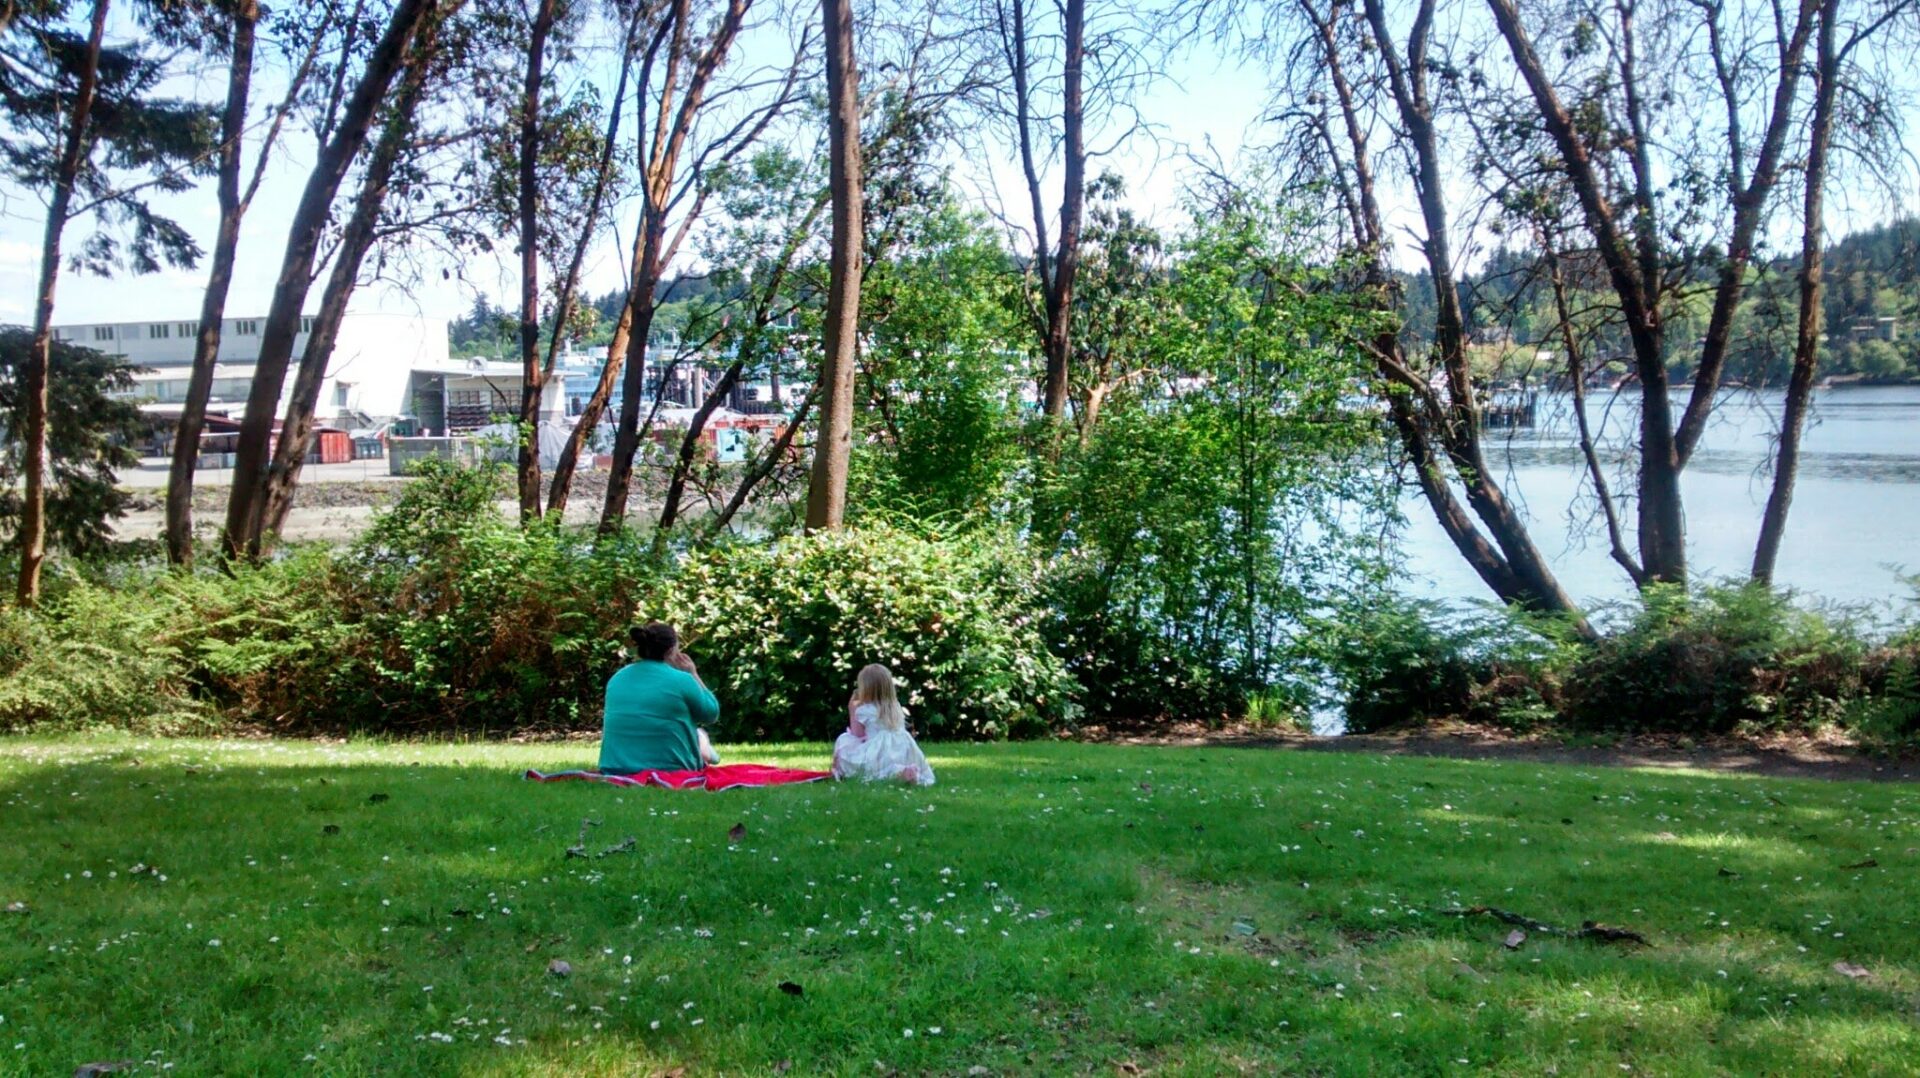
[1871,275]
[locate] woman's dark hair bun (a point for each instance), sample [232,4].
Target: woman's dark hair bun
[655,640]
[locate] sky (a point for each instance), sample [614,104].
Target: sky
[1197,99]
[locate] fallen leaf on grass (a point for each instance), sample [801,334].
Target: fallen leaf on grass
[736,832]
[783,1066]
[1867,863]
[16,907]
[1848,969]
[977,1071]
[92,1070]
[792,989]
[374,799]
[560,967]
[330,829]
[1514,939]
[1728,873]
[1127,1067]
[1465,970]
[1243,928]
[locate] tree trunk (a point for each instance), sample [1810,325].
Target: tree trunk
[570,284]
[1629,261]
[833,448]
[1806,346]
[1457,427]
[38,367]
[356,239]
[1486,562]
[626,436]
[246,504]
[596,405]
[763,308]
[1589,450]
[660,169]
[213,305]
[1749,205]
[689,444]
[532,370]
[757,474]
[1066,262]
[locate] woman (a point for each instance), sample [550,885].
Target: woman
[655,709]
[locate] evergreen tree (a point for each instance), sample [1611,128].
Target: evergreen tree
[81,122]
[91,435]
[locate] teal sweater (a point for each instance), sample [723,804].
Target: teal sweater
[652,713]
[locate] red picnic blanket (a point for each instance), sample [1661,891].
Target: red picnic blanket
[721,777]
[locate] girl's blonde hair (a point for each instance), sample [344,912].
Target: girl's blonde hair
[875,686]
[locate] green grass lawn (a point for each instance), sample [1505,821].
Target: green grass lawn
[287,907]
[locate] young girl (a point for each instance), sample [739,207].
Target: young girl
[877,746]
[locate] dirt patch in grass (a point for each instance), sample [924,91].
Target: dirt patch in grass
[1777,757]
[1218,917]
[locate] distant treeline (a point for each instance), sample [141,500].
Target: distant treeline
[1871,275]
[488,329]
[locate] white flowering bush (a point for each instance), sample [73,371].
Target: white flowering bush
[780,630]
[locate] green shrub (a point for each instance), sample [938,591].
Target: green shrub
[1130,668]
[91,656]
[451,617]
[1888,713]
[780,631]
[1397,662]
[266,644]
[444,617]
[1714,661]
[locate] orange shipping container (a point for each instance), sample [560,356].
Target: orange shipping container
[336,446]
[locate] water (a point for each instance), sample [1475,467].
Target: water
[1854,528]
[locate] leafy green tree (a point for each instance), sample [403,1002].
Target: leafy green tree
[91,434]
[1117,309]
[1199,529]
[941,372]
[1881,359]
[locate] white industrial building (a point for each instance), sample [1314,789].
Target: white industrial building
[369,379]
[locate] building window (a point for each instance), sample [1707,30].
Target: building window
[340,394]
[247,327]
[306,323]
[189,329]
[103,333]
[158,331]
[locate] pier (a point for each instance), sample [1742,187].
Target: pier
[1509,408]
